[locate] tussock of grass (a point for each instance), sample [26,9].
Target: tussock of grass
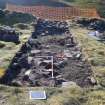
[22,26]
[2,72]
[96,98]
[2,44]
[69,96]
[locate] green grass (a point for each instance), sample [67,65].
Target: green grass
[73,95]
[96,97]
[94,51]
[98,4]
[55,96]
[9,49]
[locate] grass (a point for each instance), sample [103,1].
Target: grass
[2,44]
[73,95]
[55,96]
[94,51]
[2,71]
[67,97]
[96,98]
[9,49]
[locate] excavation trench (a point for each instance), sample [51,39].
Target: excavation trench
[50,57]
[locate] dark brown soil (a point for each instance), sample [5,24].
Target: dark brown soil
[68,61]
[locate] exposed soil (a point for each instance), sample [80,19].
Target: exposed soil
[50,57]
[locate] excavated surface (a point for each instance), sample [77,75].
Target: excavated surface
[50,57]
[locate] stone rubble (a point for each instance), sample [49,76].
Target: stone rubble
[49,59]
[8,34]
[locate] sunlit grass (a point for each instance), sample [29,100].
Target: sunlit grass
[9,49]
[93,50]
[2,72]
[96,98]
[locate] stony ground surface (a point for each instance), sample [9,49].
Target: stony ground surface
[68,62]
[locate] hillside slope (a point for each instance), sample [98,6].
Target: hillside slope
[99,4]
[32,2]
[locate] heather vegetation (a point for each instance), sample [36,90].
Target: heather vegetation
[7,18]
[98,4]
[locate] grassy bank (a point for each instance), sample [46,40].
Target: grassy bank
[73,95]
[9,49]
[94,52]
